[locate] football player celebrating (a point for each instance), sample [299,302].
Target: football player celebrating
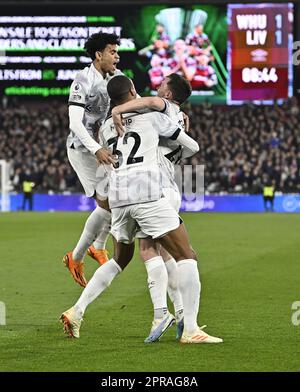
[135,198]
[88,107]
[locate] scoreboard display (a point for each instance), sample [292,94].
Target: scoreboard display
[232,53]
[260,52]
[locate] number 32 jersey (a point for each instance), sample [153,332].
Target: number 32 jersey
[136,177]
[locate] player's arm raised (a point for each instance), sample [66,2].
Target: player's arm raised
[186,121]
[139,104]
[169,129]
[76,114]
[190,146]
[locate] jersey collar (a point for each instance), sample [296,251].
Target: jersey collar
[96,72]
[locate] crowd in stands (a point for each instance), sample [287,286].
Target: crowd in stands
[33,140]
[242,147]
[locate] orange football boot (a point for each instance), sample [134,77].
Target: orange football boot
[76,269]
[101,255]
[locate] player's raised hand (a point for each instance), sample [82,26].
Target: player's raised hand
[186,121]
[105,156]
[119,122]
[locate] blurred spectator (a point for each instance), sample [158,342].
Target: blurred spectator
[27,186]
[268,195]
[240,145]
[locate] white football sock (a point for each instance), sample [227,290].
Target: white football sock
[173,289]
[96,222]
[101,279]
[190,287]
[157,283]
[100,242]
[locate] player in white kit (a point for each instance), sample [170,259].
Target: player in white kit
[88,106]
[136,201]
[160,265]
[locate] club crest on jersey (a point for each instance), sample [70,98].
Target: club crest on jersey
[77,87]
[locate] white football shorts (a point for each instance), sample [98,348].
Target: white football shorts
[174,198]
[154,218]
[92,175]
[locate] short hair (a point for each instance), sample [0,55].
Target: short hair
[180,87]
[118,87]
[98,42]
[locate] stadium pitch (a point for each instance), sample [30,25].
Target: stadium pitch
[250,270]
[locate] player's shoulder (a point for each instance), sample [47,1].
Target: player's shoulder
[154,117]
[171,108]
[116,73]
[107,129]
[83,77]
[83,74]
[107,123]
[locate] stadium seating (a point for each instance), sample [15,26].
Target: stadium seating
[241,147]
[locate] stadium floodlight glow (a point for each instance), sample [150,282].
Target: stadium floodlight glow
[5,200]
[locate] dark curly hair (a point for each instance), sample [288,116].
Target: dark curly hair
[98,42]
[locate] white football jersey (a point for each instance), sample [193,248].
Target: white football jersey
[89,90]
[170,150]
[136,177]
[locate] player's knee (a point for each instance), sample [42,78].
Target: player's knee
[193,254]
[122,261]
[186,254]
[146,252]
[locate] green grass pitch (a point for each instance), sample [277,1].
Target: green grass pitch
[250,269]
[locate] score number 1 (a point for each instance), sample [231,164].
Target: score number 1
[278,33]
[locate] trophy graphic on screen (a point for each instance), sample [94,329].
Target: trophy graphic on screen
[180,45]
[172,19]
[169,25]
[197,18]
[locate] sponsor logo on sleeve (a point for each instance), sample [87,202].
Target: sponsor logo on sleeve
[76,97]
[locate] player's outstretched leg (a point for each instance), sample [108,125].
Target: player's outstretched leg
[71,322]
[97,250]
[173,290]
[199,336]
[176,242]
[101,279]
[75,268]
[157,284]
[97,224]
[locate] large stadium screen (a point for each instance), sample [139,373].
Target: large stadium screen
[219,48]
[41,54]
[260,52]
